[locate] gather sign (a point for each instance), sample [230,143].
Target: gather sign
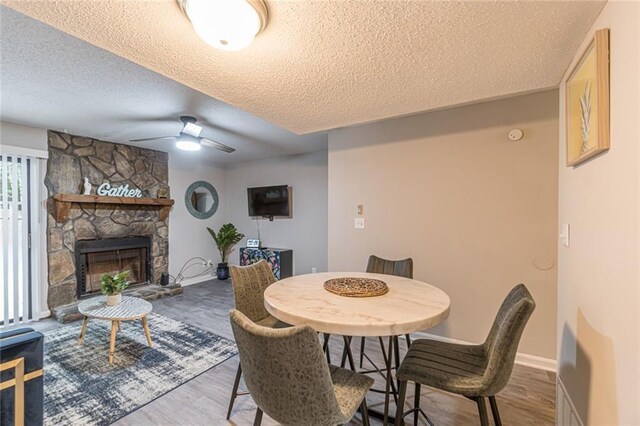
[118,191]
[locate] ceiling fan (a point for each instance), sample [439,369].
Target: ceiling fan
[189,138]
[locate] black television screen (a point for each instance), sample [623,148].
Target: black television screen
[268,201]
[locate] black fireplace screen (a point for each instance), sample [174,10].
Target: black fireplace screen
[97,257]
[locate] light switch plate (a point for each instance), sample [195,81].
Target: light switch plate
[358,223]
[564,235]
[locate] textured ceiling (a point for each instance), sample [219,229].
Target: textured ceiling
[326,64]
[51,80]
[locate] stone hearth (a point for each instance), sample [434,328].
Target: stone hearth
[71,159]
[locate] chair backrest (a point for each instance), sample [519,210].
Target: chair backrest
[401,268]
[501,345]
[286,372]
[249,284]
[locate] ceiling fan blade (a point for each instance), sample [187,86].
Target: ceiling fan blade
[217,145]
[152,139]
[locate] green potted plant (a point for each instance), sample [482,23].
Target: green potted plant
[227,237]
[113,285]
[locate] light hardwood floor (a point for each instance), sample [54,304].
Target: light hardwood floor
[529,399]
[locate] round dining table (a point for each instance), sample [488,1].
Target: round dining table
[408,306]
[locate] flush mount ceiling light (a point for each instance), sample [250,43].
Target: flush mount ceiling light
[226,24]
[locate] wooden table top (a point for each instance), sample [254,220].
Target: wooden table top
[409,305]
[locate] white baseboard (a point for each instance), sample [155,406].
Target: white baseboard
[196,280]
[533,361]
[538,362]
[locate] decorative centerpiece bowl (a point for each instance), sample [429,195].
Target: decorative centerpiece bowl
[356,287]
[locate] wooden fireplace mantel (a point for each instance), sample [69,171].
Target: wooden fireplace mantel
[62,203]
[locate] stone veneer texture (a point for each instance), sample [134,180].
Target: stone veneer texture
[71,158]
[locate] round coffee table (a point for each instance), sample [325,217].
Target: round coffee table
[129,309]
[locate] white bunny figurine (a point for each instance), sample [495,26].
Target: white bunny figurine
[87,187]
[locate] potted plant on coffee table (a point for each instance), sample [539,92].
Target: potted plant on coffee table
[227,237]
[112,286]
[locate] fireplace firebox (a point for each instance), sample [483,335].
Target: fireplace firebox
[97,257]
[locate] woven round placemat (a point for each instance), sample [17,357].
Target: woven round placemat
[356,287]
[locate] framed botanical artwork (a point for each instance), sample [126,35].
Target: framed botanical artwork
[587,102]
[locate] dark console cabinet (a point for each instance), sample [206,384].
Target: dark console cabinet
[280,260]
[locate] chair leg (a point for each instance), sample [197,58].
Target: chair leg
[494,410]
[257,421]
[408,337]
[416,405]
[482,410]
[362,340]
[400,404]
[234,392]
[365,412]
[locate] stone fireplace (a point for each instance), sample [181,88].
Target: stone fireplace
[75,239]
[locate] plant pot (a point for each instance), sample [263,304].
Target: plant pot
[223,271]
[114,300]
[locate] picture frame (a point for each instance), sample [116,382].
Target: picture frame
[587,102]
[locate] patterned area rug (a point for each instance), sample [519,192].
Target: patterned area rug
[81,388]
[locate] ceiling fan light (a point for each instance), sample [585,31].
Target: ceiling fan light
[226,24]
[188,144]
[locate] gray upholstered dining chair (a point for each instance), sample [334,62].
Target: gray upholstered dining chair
[400,268]
[474,371]
[249,284]
[289,378]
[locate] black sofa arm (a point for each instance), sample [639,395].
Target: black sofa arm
[21,357]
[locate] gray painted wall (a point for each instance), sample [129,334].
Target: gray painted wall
[476,211]
[306,232]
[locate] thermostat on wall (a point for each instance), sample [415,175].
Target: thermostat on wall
[253,243]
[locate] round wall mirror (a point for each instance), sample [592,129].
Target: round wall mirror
[201,199]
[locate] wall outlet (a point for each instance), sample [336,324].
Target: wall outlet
[358,223]
[314,270]
[209,262]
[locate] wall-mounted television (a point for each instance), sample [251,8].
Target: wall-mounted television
[269,201]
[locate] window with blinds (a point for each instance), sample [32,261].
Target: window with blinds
[18,216]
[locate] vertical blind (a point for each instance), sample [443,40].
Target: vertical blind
[19,220]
